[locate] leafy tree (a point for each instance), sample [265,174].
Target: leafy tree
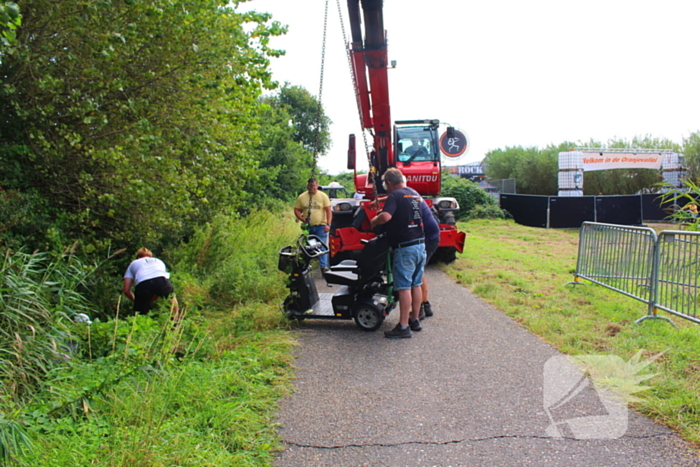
[536,170]
[10,20]
[135,119]
[620,181]
[293,129]
[691,160]
[501,163]
[346,179]
[284,163]
[537,173]
[625,181]
[309,121]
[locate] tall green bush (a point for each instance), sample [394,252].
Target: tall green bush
[473,201]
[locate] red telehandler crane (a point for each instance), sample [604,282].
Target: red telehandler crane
[412,146]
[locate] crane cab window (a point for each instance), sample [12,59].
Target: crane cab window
[415,145]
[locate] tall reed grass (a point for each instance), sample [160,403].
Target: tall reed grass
[234,261]
[38,300]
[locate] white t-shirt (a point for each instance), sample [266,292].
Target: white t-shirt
[146,268]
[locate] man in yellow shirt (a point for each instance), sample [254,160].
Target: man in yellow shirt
[313,207]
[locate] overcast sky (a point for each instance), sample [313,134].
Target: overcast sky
[510,72]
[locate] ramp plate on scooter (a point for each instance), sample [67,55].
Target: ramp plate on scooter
[324,306]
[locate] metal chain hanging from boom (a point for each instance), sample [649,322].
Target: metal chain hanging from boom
[320,87]
[319,120]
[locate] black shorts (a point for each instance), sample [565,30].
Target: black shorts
[431,245]
[147,291]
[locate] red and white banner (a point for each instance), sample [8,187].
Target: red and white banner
[615,160]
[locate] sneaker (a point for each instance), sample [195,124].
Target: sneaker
[414,324]
[325,270]
[397,332]
[427,308]
[421,313]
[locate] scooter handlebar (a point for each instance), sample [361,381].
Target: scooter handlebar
[314,247]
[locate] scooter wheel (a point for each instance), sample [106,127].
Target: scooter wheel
[291,309]
[368,316]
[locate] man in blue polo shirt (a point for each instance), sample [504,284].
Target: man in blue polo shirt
[404,227]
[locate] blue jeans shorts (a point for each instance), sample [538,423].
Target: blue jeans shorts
[408,266]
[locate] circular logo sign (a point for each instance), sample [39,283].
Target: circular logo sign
[453,143]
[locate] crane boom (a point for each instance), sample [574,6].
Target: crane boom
[409,145]
[370,60]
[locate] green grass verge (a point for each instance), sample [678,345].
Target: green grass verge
[144,392]
[215,410]
[524,272]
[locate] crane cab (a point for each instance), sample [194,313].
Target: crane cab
[418,155]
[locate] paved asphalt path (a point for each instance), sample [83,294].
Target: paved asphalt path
[468,390]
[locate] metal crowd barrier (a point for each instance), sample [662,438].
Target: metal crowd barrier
[678,268]
[659,270]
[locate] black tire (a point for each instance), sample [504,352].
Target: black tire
[368,316]
[447,255]
[448,217]
[291,309]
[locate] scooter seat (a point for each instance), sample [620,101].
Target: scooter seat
[345,265]
[354,273]
[340,277]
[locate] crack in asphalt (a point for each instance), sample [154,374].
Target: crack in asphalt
[444,443]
